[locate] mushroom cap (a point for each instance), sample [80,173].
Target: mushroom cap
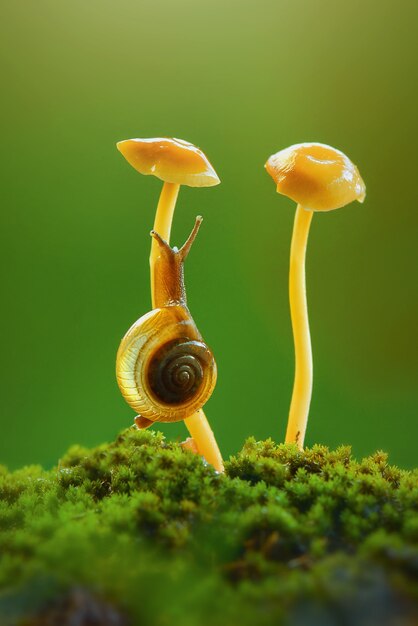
[171,160]
[316,176]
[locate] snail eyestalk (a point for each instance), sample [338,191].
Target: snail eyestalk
[318,178]
[185,249]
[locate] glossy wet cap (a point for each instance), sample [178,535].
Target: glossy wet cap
[316,176]
[171,160]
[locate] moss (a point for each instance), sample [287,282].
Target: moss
[142,532]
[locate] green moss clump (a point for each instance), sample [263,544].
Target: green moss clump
[142,532]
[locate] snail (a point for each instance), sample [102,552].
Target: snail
[164,369]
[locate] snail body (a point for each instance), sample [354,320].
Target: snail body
[164,369]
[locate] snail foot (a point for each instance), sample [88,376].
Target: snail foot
[142,422]
[190,445]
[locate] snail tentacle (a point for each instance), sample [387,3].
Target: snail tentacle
[185,249]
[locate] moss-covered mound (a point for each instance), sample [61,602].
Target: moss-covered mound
[142,532]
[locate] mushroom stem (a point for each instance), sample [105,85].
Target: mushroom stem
[199,429]
[162,225]
[302,387]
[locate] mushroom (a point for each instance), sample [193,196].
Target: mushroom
[319,178]
[175,162]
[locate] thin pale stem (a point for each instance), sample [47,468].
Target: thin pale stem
[162,225]
[302,387]
[199,429]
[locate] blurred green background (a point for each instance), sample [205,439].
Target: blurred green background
[241,80]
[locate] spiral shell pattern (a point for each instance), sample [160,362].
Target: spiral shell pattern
[164,369]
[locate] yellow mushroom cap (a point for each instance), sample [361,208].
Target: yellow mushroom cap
[316,176]
[171,160]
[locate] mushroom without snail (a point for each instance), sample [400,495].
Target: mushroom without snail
[319,178]
[175,162]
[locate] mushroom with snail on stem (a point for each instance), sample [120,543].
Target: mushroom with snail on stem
[175,162]
[319,178]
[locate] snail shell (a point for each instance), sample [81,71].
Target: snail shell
[164,369]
